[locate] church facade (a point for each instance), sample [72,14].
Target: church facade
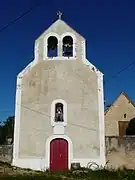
[59,118]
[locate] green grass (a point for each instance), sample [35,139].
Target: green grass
[75,175]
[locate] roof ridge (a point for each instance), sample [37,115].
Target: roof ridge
[122,93]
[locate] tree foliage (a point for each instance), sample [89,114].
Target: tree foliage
[131,127]
[7,130]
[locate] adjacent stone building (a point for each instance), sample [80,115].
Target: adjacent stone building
[118,115]
[120,148]
[59,116]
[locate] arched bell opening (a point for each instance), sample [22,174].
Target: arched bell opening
[52,46]
[67,46]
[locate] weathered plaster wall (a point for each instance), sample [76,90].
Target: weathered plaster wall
[73,82]
[120,151]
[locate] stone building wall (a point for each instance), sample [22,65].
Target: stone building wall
[120,152]
[6,153]
[115,114]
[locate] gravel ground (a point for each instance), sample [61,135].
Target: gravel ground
[6,168]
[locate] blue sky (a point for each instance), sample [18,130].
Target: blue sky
[107,25]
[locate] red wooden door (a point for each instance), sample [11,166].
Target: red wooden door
[58,155]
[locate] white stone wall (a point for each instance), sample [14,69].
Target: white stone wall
[79,84]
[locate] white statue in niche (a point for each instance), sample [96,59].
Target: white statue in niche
[59,112]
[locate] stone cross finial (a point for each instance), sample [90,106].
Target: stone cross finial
[59,14]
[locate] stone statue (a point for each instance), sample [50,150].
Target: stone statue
[59,113]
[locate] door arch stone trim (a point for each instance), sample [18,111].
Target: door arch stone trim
[70,149]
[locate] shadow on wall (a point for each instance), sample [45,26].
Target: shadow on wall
[127,127]
[131,127]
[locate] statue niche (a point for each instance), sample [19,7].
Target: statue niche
[59,112]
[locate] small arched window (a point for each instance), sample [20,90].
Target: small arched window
[59,116]
[67,46]
[125,115]
[52,46]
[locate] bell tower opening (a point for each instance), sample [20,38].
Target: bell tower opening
[68,46]
[52,46]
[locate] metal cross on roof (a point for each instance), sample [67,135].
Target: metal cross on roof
[59,14]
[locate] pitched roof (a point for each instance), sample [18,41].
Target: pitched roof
[122,93]
[61,23]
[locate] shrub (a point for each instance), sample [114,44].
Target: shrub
[80,174]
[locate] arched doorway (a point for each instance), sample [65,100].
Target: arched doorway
[58,155]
